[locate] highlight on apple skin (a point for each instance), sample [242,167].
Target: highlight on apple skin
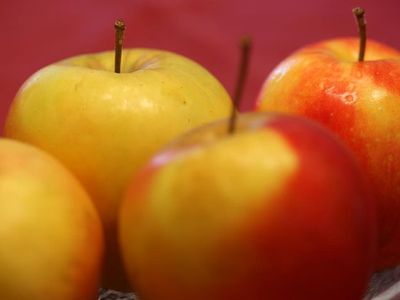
[359,102]
[104,126]
[51,241]
[276,210]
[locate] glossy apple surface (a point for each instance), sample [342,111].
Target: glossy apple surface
[359,101]
[104,126]
[277,210]
[50,234]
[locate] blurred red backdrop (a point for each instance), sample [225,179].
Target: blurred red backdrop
[37,33]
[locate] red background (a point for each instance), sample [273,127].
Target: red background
[37,33]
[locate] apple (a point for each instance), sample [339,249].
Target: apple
[104,125]
[51,241]
[276,210]
[359,102]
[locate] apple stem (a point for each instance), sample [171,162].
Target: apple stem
[359,13]
[119,26]
[245,47]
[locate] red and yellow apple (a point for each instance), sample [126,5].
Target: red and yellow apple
[276,210]
[51,240]
[360,103]
[104,126]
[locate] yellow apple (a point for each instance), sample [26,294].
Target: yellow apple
[104,126]
[50,233]
[277,210]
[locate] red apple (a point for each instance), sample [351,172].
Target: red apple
[276,210]
[51,239]
[360,102]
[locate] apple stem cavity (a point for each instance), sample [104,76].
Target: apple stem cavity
[245,47]
[119,26]
[359,13]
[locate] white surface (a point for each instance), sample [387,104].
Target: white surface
[383,286]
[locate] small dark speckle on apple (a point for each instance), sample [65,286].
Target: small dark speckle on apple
[77,85]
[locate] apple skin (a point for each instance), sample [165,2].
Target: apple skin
[104,126]
[51,236]
[278,210]
[359,102]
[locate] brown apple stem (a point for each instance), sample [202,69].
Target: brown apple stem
[245,47]
[359,13]
[119,37]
